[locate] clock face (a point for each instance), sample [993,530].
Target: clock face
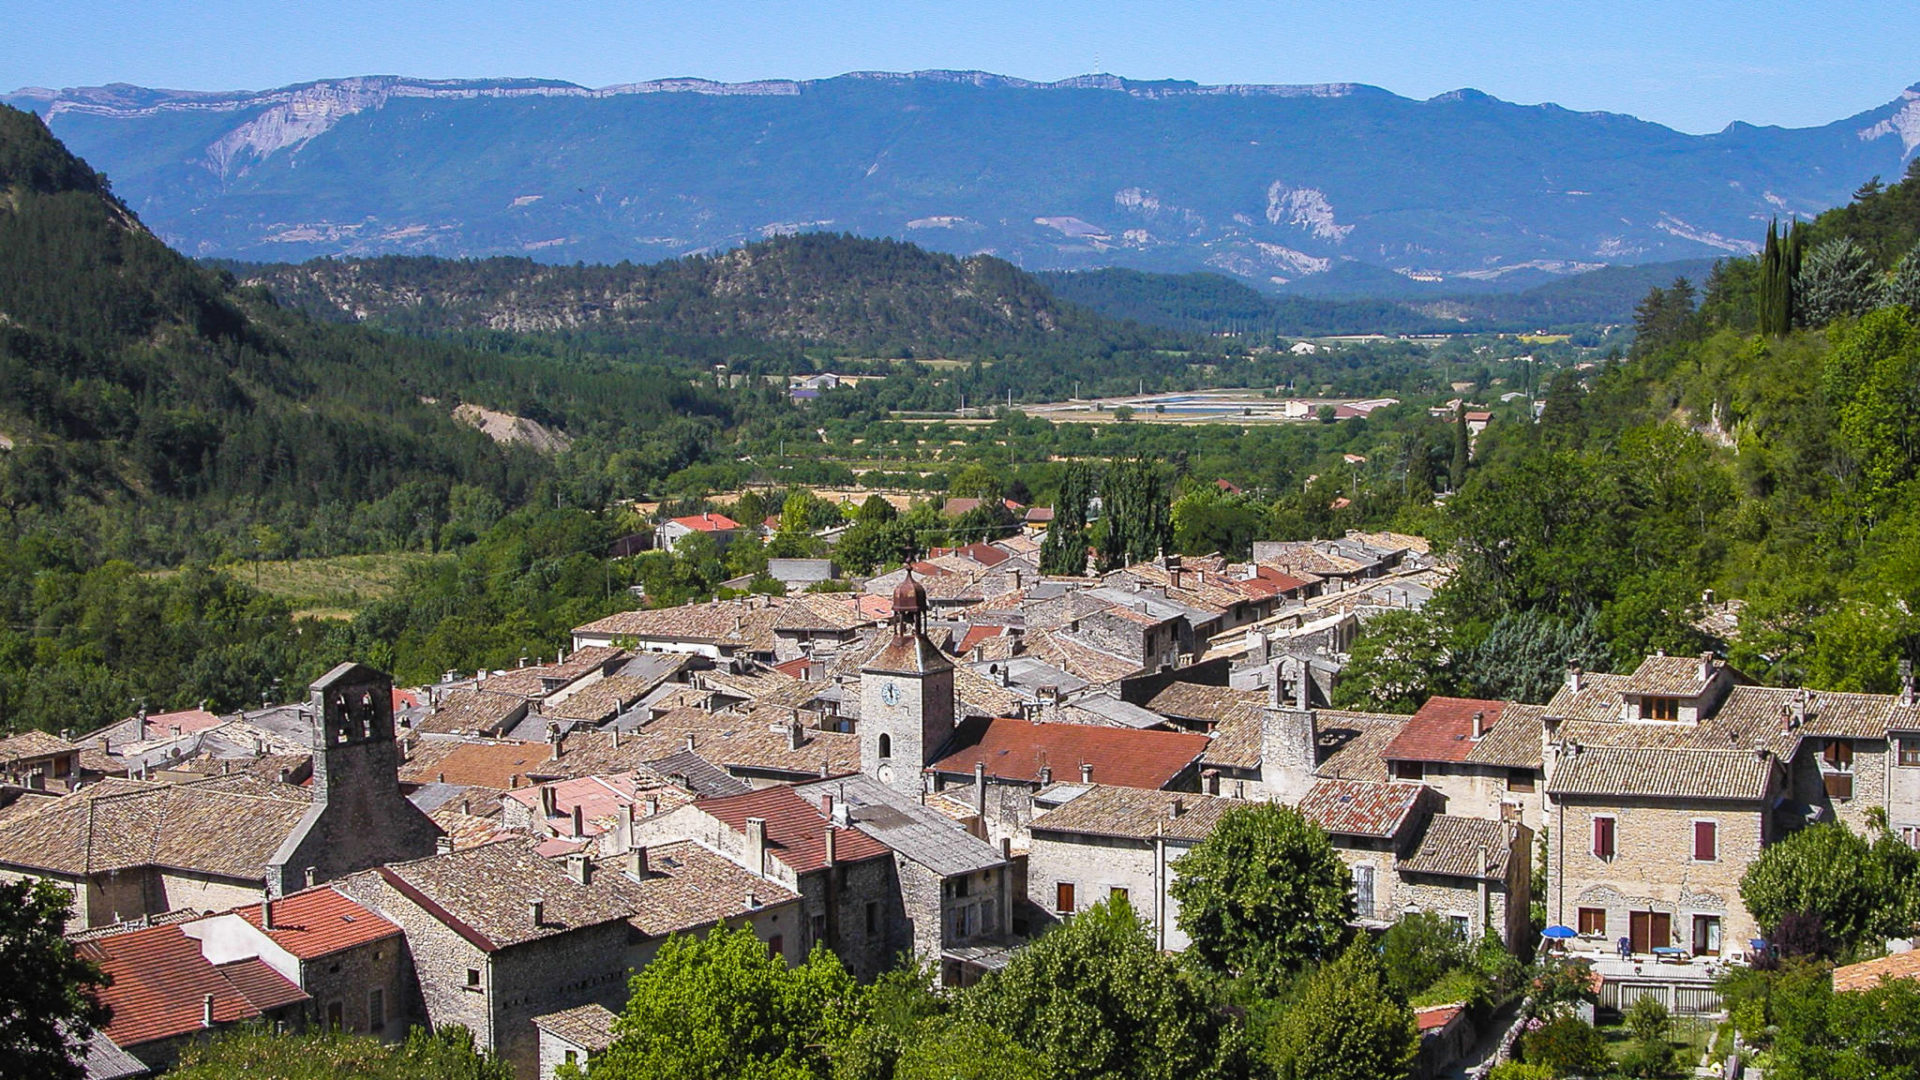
[889,693]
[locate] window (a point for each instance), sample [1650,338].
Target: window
[1118,892]
[961,923]
[819,928]
[1407,770]
[1838,755]
[573,1057]
[1660,708]
[1063,897]
[777,947]
[1603,838]
[886,745]
[873,917]
[1706,935]
[473,978]
[1363,891]
[1839,785]
[1706,841]
[1593,922]
[376,1010]
[960,887]
[335,1018]
[1520,780]
[1910,751]
[1462,926]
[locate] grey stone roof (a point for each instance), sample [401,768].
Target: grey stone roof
[589,1027]
[702,777]
[923,835]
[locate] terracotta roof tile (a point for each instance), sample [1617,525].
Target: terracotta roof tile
[589,1027]
[688,887]
[1017,749]
[32,744]
[484,894]
[1207,704]
[1361,808]
[796,831]
[1514,741]
[1868,974]
[319,922]
[464,711]
[159,979]
[1442,730]
[124,826]
[477,764]
[1349,744]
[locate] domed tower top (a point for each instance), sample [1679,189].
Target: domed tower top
[909,605]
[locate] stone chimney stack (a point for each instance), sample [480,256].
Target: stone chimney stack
[266,910]
[757,845]
[549,802]
[980,788]
[1177,807]
[537,911]
[1906,683]
[637,864]
[1706,666]
[1479,725]
[580,868]
[206,1011]
[1288,753]
[1086,772]
[833,847]
[579,820]
[1046,775]
[1573,677]
[443,845]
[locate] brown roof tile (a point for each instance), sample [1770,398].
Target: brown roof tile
[1514,741]
[182,827]
[1351,743]
[688,887]
[483,894]
[478,712]
[32,744]
[796,830]
[478,764]
[589,1027]
[319,922]
[1207,704]
[1451,847]
[159,979]
[1868,974]
[1236,742]
[1136,813]
[1613,772]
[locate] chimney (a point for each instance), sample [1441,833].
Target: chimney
[1706,666]
[580,868]
[753,902]
[579,820]
[653,805]
[1906,683]
[1006,848]
[826,805]
[689,742]
[1001,675]
[106,745]
[637,864]
[616,738]
[796,735]
[1479,725]
[1573,677]
[206,1011]
[757,845]
[266,910]
[443,845]
[537,911]
[311,872]
[832,845]
[980,788]
[1177,807]
[549,802]
[1046,775]
[1086,772]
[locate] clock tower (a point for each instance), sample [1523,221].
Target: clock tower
[906,697]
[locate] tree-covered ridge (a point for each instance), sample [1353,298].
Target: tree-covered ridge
[875,297]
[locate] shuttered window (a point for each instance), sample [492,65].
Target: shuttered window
[1063,897]
[1706,841]
[1593,922]
[1603,837]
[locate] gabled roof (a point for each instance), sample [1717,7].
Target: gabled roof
[1452,846]
[32,744]
[1677,676]
[1361,808]
[688,888]
[589,1027]
[1869,974]
[796,830]
[1442,730]
[1016,750]
[319,922]
[707,522]
[160,977]
[920,833]
[122,825]
[484,894]
[1514,741]
[907,654]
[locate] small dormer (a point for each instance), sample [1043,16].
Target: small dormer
[1677,689]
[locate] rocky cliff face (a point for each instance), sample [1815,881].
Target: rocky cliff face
[1272,183]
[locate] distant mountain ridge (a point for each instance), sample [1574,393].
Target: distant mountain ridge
[1276,185]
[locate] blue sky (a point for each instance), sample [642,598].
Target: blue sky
[1691,64]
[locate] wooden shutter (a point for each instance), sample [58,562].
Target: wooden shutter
[1706,841]
[1603,837]
[1063,897]
[1839,785]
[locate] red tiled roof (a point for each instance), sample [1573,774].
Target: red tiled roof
[1442,730]
[1227,486]
[317,922]
[1360,807]
[707,522]
[976,635]
[1038,514]
[189,721]
[159,979]
[1867,975]
[1436,1017]
[796,831]
[492,765]
[795,668]
[1122,757]
[1287,582]
[983,553]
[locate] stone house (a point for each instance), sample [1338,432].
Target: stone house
[849,890]
[497,935]
[957,892]
[352,962]
[1484,756]
[719,526]
[39,761]
[572,1037]
[1116,841]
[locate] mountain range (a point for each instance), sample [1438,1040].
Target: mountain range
[1280,186]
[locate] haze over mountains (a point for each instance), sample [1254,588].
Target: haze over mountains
[1278,185]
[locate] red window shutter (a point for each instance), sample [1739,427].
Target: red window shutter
[1706,846]
[1603,837]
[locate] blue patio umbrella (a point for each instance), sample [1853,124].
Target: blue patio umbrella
[1559,932]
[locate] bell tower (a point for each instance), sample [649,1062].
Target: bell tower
[906,697]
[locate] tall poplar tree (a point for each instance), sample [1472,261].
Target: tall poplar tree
[1064,551]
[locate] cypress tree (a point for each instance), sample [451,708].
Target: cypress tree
[1770,267]
[1462,448]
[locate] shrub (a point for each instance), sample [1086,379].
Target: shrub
[1568,1046]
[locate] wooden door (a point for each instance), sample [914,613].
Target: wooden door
[1661,929]
[1639,930]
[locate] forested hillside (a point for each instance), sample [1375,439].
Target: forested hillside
[1777,469]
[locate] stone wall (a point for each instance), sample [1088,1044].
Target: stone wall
[561,971]
[1653,868]
[349,977]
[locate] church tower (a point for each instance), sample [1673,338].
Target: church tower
[906,697]
[358,819]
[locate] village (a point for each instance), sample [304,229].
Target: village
[932,768]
